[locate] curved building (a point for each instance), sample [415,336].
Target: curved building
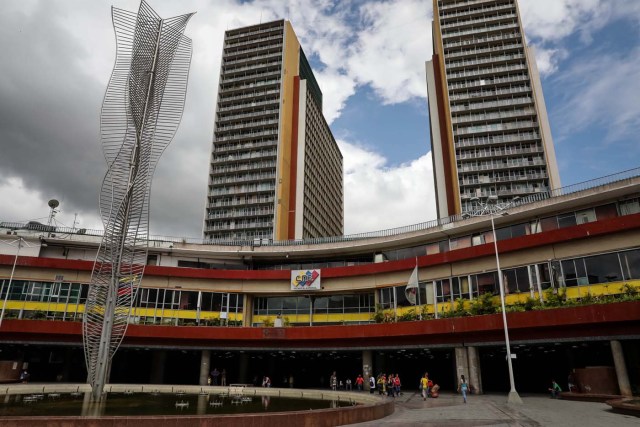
[298,310]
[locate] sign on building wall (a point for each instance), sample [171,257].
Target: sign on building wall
[302,280]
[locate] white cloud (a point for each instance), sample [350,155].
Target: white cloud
[26,205]
[604,93]
[379,197]
[393,43]
[552,20]
[548,60]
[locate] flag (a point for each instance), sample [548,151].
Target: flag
[412,287]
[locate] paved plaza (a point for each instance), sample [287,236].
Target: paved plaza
[412,411]
[492,410]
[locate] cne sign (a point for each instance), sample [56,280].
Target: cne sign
[304,280]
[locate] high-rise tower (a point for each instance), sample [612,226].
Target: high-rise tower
[276,170]
[490,133]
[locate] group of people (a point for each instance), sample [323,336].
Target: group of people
[216,375]
[387,385]
[428,388]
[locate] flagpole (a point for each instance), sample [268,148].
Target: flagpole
[418,280]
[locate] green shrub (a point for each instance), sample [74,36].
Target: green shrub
[483,305]
[532,304]
[555,299]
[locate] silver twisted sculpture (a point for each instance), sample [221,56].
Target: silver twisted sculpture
[141,111]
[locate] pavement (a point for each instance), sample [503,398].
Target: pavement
[412,411]
[493,410]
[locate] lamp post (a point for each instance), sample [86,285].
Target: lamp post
[491,207]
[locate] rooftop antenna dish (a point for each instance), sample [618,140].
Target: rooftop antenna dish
[53,204]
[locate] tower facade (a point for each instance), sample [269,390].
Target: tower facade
[490,134]
[276,170]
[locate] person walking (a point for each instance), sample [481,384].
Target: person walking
[555,389]
[372,384]
[359,382]
[397,384]
[214,376]
[333,381]
[463,387]
[424,386]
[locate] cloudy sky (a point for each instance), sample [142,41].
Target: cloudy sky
[368,57]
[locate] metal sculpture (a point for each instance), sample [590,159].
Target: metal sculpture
[141,111]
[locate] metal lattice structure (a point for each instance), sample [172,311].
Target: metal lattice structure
[141,111]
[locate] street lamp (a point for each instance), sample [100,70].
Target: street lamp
[491,207]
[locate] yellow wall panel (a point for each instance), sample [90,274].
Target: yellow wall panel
[291,68]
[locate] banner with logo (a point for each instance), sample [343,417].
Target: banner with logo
[304,280]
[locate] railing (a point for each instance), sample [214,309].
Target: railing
[391,232]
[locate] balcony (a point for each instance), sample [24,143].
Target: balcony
[230,37]
[252,166]
[497,139]
[494,116]
[480,30]
[495,153]
[244,189]
[272,48]
[230,118]
[487,71]
[257,66]
[245,125]
[248,105]
[243,146]
[246,135]
[239,88]
[477,11]
[225,99]
[246,156]
[457,5]
[236,44]
[485,60]
[483,20]
[237,78]
[226,63]
[470,84]
[489,93]
[492,104]
[482,40]
[495,127]
[486,166]
[482,51]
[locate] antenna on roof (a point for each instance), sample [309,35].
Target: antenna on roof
[53,204]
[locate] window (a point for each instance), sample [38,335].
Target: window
[566,220]
[574,273]
[550,223]
[606,211]
[545,276]
[443,290]
[585,216]
[629,207]
[603,268]
[460,242]
[630,261]
[486,283]
[386,298]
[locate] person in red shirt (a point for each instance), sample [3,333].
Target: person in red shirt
[359,382]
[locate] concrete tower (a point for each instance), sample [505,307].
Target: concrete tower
[276,170]
[490,133]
